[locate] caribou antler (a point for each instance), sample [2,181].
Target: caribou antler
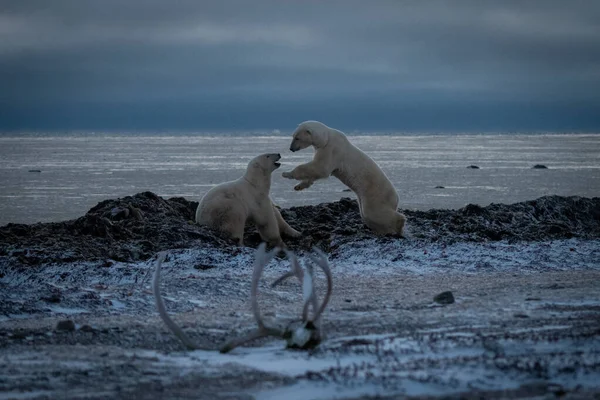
[302,334]
[262,258]
[162,311]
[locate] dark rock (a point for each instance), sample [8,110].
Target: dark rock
[440,187]
[444,298]
[553,286]
[35,170]
[472,209]
[473,167]
[65,325]
[19,335]
[203,267]
[119,213]
[87,328]
[346,190]
[539,166]
[53,298]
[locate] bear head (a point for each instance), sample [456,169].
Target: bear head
[265,162]
[309,133]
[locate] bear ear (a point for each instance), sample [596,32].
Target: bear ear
[308,131]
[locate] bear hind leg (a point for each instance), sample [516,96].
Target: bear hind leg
[234,226]
[383,221]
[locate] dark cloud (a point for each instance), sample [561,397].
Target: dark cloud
[460,65]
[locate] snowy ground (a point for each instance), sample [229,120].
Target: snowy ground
[526,323]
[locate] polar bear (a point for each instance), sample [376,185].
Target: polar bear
[227,207]
[335,155]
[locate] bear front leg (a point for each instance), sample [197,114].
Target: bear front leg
[307,172]
[284,227]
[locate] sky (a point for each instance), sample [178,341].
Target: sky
[436,65]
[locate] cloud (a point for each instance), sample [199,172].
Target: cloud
[245,59]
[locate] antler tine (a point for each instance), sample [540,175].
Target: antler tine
[162,310]
[261,259]
[322,262]
[295,271]
[232,344]
[309,293]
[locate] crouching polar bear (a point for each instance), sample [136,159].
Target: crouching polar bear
[227,207]
[335,155]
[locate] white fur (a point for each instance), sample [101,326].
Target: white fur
[228,206]
[335,155]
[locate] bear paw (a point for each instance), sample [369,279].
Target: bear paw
[303,185]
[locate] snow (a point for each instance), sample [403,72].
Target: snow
[426,362]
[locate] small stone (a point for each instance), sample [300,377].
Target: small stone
[521,315]
[473,167]
[87,328]
[53,298]
[440,187]
[65,325]
[444,298]
[18,335]
[346,190]
[539,166]
[348,300]
[203,267]
[35,170]
[136,213]
[118,213]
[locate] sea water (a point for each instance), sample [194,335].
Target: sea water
[78,170]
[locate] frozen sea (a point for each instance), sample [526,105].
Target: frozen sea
[79,170]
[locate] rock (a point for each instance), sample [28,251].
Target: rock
[440,187]
[18,335]
[444,298]
[472,209]
[539,166]
[203,267]
[136,212]
[53,298]
[35,170]
[473,167]
[65,325]
[346,190]
[87,328]
[118,213]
